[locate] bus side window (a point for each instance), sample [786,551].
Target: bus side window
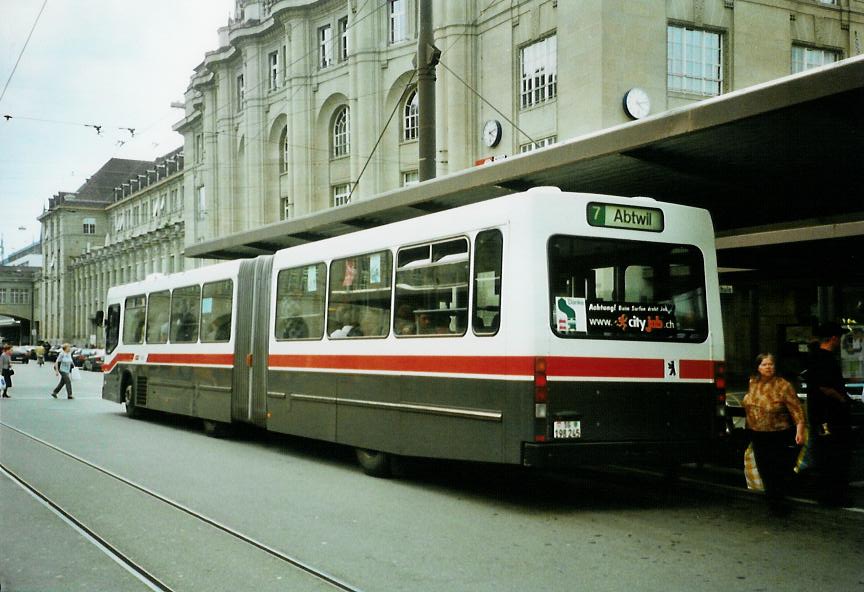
[488,255]
[134,313]
[158,306]
[300,294]
[185,304]
[216,306]
[432,289]
[360,294]
[112,328]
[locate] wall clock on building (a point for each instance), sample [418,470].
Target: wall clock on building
[637,104]
[492,132]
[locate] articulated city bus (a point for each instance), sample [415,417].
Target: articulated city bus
[540,329]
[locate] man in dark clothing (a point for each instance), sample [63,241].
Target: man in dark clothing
[829,413]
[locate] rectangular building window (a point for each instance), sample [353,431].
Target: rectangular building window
[241,92]
[360,296]
[694,61]
[199,148]
[273,60]
[432,289]
[342,29]
[538,144]
[201,206]
[300,294]
[805,58]
[286,208]
[2,295]
[539,72]
[19,296]
[89,225]
[341,195]
[325,46]
[396,28]
[410,178]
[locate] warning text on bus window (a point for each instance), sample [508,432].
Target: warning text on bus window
[578,315]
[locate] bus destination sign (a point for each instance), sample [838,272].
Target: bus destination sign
[629,217]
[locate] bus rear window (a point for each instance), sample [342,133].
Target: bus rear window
[623,289]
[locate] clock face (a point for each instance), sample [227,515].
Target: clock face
[492,132]
[637,104]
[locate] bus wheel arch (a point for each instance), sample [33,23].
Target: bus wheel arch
[127,392]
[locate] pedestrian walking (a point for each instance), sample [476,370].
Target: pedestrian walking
[40,354]
[63,368]
[6,369]
[829,413]
[775,424]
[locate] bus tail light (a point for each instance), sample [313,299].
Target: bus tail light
[541,399]
[720,387]
[541,386]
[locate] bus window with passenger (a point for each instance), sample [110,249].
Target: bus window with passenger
[432,282]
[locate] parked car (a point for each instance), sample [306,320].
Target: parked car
[94,362]
[80,354]
[19,354]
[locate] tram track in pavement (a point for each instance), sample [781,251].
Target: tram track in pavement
[143,574]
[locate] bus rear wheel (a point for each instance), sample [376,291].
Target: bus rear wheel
[374,462]
[129,399]
[215,429]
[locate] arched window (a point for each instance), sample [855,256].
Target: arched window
[283,151]
[341,133]
[411,116]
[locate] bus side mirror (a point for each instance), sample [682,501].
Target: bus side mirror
[100,317]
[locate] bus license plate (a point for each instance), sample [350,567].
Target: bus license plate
[567,429]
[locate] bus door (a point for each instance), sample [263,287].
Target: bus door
[251,351]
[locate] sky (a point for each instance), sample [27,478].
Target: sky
[114,63]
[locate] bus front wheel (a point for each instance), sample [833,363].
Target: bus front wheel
[129,399]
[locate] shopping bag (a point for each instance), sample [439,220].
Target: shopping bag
[751,472]
[75,374]
[2,383]
[804,462]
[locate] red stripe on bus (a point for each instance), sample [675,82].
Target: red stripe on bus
[556,366]
[118,358]
[604,367]
[697,369]
[199,359]
[498,365]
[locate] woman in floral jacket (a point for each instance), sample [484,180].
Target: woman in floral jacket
[775,423]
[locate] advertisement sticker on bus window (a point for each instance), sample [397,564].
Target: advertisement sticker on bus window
[630,318]
[570,315]
[312,278]
[207,306]
[375,269]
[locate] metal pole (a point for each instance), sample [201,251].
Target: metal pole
[427,58]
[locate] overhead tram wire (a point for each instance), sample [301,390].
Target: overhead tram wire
[381,135]
[482,98]
[20,55]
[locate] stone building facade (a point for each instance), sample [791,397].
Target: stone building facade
[311,105]
[125,223]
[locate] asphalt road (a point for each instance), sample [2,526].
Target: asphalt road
[436,526]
